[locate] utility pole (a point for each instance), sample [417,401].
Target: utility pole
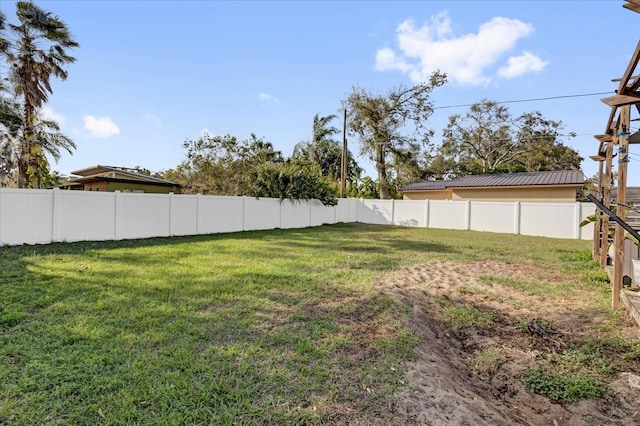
[343,188]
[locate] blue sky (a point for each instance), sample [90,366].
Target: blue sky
[150,74]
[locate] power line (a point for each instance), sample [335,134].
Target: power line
[529,100]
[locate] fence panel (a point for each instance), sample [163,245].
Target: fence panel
[548,220]
[142,215]
[83,216]
[263,213]
[377,212]
[342,210]
[220,214]
[409,213]
[295,215]
[184,214]
[26,216]
[320,214]
[448,214]
[492,217]
[586,232]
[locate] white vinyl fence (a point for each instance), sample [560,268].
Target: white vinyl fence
[44,216]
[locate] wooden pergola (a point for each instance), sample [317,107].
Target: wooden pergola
[617,136]
[633,5]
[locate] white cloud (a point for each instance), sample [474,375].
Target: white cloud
[523,64]
[49,114]
[100,127]
[464,58]
[265,97]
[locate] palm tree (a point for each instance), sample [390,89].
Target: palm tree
[326,151]
[46,135]
[38,52]
[10,130]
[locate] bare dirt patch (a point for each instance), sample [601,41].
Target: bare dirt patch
[472,375]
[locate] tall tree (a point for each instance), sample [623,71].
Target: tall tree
[487,139]
[325,151]
[381,120]
[47,136]
[222,165]
[37,51]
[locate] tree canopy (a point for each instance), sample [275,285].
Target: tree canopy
[325,151]
[36,49]
[393,123]
[224,165]
[488,139]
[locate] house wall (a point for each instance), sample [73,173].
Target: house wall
[427,195]
[531,194]
[95,186]
[139,187]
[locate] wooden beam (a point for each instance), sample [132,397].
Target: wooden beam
[621,100]
[634,138]
[598,231]
[623,161]
[632,7]
[616,80]
[609,128]
[603,138]
[597,157]
[606,200]
[624,81]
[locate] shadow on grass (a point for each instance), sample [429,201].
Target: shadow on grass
[263,345]
[346,237]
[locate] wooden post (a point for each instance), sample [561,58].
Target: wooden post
[598,230]
[622,136]
[606,200]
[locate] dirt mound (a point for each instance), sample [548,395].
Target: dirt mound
[452,382]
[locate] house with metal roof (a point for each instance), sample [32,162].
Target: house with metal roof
[550,186]
[111,179]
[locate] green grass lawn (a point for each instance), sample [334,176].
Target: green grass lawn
[281,326]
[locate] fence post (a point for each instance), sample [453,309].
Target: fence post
[468,215]
[335,208]
[578,216]
[393,211]
[516,218]
[243,210]
[426,213]
[171,227]
[56,216]
[197,213]
[116,197]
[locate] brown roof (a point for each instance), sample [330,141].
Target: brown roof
[561,177]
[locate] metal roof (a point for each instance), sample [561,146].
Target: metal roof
[560,177]
[100,171]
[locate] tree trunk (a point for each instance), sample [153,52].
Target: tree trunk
[383,185]
[23,179]
[28,159]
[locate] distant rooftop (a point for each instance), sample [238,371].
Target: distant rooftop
[549,178]
[109,172]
